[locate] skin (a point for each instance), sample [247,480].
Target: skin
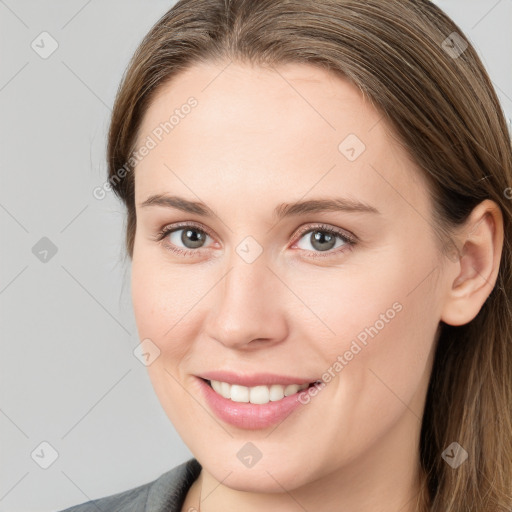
[257,138]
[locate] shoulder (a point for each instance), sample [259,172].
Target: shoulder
[166,493]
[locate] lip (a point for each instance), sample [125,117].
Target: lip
[247,415]
[255,379]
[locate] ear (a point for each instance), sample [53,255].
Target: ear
[472,276]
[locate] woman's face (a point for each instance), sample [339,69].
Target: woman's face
[270,292]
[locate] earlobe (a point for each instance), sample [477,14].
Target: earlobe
[472,277]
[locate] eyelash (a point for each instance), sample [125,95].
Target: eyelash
[349,240]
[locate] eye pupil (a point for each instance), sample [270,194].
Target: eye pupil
[195,237]
[319,239]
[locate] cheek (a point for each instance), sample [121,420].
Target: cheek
[161,302]
[385,329]
[378,357]
[390,296]
[158,299]
[381,316]
[169,302]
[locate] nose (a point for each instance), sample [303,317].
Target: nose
[250,310]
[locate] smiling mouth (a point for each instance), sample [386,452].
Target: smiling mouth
[262,394]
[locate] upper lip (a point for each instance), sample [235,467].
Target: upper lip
[253,379]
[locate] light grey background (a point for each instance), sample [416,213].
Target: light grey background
[67,369]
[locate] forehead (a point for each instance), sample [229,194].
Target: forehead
[252,98]
[276,131]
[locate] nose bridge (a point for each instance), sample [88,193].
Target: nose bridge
[249,274]
[247,306]
[246,287]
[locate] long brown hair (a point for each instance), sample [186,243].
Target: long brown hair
[416,67]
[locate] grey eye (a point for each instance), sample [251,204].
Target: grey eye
[191,238]
[321,240]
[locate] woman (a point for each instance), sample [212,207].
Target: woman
[318,222]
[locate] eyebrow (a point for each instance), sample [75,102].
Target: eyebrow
[281,211]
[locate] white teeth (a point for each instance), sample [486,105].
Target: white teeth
[290,389]
[256,394]
[239,393]
[276,392]
[225,389]
[217,386]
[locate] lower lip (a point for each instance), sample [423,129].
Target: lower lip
[247,415]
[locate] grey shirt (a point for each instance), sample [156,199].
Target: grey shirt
[165,494]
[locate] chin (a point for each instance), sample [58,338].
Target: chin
[272,475]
